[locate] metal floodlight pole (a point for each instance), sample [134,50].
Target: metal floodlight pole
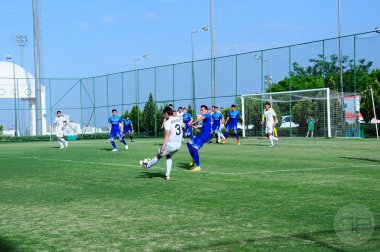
[37,66]
[9,57]
[212,30]
[203,29]
[146,56]
[341,61]
[258,57]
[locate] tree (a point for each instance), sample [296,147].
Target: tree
[148,116]
[135,115]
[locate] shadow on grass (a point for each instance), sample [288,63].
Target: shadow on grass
[106,149]
[184,166]
[312,237]
[362,159]
[151,175]
[7,246]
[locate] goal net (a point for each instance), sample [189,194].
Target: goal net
[297,112]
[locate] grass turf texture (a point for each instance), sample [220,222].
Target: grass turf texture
[248,197]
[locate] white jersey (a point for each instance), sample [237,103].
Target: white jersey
[59,122]
[180,116]
[269,116]
[174,125]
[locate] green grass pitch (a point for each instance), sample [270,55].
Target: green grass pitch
[247,198]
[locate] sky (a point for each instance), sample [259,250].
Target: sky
[84,38]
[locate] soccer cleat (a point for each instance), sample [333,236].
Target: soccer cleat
[220,141]
[66,144]
[192,163]
[238,142]
[62,147]
[225,141]
[144,165]
[108,141]
[114,150]
[126,147]
[196,169]
[167,178]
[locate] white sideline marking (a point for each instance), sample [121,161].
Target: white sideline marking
[203,171]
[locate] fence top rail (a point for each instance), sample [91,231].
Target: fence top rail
[288,92]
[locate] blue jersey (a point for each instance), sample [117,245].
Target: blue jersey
[115,121]
[206,126]
[234,116]
[127,125]
[216,118]
[186,118]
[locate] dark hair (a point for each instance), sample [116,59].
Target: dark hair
[267,103]
[59,111]
[114,110]
[168,110]
[126,116]
[170,105]
[233,106]
[185,108]
[204,106]
[216,107]
[179,107]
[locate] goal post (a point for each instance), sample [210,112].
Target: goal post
[300,111]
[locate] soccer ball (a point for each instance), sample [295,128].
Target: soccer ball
[144,163]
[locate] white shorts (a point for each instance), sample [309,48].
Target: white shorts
[269,129]
[59,133]
[169,150]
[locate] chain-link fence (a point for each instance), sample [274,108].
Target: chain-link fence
[87,102]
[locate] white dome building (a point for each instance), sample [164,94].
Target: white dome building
[17,83]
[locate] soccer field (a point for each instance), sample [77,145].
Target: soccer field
[299,195]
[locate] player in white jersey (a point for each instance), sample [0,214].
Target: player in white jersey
[172,142]
[180,113]
[59,125]
[270,118]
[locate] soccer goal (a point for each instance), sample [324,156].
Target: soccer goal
[317,110]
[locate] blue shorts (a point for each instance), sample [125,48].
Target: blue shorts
[115,134]
[128,130]
[230,127]
[188,129]
[215,127]
[198,141]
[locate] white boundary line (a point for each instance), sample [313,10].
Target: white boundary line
[207,171]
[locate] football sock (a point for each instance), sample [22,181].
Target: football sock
[123,141]
[131,137]
[60,143]
[217,137]
[191,149]
[152,162]
[226,135]
[221,135]
[168,166]
[113,144]
[196,157]
[271,139]
[237,136]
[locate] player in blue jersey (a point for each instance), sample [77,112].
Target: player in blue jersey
[196,143]
[210,111]
[128,127]
[187,119]
[217,121]
[114,126]
[232,121]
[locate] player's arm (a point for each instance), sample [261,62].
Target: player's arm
[228,118]
[122,128]
[166,139]
[197,121]
[64,124]
[275,120]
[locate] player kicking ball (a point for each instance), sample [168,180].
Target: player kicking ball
[196,143]
[172,142]
[270,122]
